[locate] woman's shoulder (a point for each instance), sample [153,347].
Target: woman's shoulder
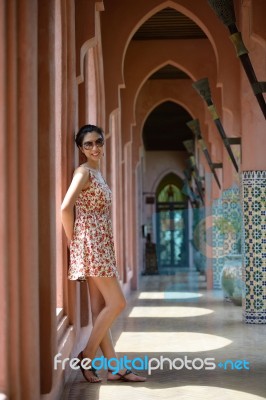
[85,173]
[82,170]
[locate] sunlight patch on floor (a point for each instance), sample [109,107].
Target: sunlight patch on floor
[168,295]
[168,312]
[175,392]
[151,342]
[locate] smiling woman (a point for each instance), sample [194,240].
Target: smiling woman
[92,254]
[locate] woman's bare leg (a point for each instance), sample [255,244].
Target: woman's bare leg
[115,302]
[97,303]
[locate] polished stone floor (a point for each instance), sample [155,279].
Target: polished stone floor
[173,317]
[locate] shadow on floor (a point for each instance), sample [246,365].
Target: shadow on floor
[171,317]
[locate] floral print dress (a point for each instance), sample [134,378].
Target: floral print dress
[92,247]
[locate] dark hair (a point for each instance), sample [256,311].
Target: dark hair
[84,130]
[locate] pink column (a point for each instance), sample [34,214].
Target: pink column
[19,363]
[3,206]
[46,190]
[28,357]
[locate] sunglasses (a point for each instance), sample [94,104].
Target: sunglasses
[89,145]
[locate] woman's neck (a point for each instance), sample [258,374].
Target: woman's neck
[93,165]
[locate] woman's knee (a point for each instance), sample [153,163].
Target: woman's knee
[123,304]
[112,293]
[118,305]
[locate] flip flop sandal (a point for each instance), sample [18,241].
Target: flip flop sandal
[122,377]
[83,370]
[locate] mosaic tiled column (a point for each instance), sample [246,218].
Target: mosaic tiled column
[253,196]
[217,245]
[233,214]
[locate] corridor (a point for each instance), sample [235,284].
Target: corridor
[171,316]
[176,89]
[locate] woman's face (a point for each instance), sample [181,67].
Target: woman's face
[92,146]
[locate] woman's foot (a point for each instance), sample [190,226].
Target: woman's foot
[90,373]
[125,375]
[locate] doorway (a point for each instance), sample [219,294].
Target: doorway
[171,230]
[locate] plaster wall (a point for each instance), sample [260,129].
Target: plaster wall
[100,76]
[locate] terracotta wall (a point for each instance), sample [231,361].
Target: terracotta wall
[41,311]
[19,200]
[253,122]
[64,63]
[131,63]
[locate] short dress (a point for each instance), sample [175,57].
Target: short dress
[92,250]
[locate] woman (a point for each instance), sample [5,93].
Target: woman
[92,256]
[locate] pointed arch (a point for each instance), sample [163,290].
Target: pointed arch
[163,100]
[162,179]
[178,7]
[151,72]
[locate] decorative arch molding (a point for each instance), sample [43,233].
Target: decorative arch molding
[99,77]
[170,178]
[83,51]
[163,175]
[229,118]
[258,39]
[167,62]
[90,66]
[176,101]
[92,42]
[171,62]
[256,23]
[254,34]
[136,128]
[144,107]
[119,33]
[140,76]
[178,7]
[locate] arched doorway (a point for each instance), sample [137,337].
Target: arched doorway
[171,225]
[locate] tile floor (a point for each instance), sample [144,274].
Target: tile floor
[171,317]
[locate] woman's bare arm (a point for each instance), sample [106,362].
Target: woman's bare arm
[80,178]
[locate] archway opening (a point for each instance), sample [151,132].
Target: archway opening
[165,128]
[171,225]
